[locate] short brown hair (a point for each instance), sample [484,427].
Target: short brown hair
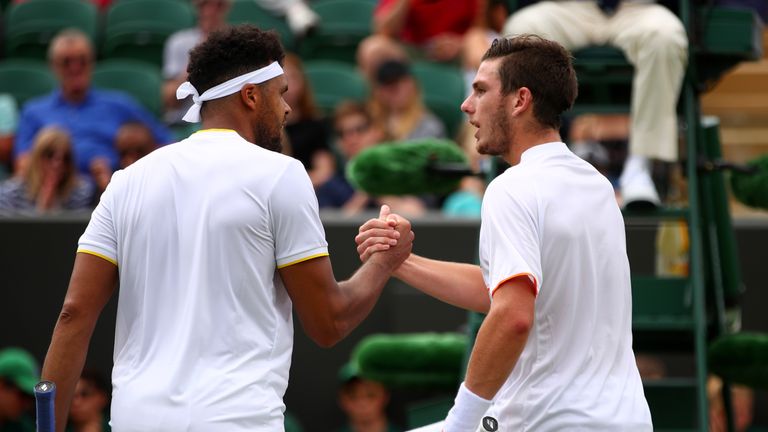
[542,66]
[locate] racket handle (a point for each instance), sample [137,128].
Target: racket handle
[45,394]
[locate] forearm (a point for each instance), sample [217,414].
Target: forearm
[391,21]
[458,284]
[498,346]
[65,359]
[360,293]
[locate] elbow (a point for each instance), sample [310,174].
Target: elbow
[520,326]
[328,335]
[69,314]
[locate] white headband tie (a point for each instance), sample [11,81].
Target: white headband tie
[224,89]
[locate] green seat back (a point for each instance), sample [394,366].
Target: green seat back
[137,29]
[30,26]
[333,82]
[248,11]
[443,89]
[139,79]
[343,24]
[25,79]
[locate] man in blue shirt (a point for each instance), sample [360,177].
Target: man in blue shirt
[91,116]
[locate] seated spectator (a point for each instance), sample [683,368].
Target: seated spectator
[19,373]
[364,402]
[742,403]
[356,131]
[9,120]
[397,105]
[306,131]
[133,142]
[89,411]
[91,116]
[211,16]
[433,29]
[654,40]
[50,180]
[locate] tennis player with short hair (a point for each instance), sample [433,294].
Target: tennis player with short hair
[555,351]
[213,240]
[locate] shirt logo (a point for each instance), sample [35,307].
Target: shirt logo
[490,424]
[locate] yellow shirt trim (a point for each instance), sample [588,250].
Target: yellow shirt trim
[303,259]
[214,130]
[104,257]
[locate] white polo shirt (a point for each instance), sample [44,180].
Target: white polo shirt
[555,218]
[204,326]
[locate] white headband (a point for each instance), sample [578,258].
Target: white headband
[224,89]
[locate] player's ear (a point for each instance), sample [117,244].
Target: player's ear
[249,94]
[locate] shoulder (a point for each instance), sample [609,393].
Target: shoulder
[40,103]
[113,98]
[517,184]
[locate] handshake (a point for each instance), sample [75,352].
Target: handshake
[386,240]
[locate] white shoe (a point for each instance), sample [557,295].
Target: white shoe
[301,18]
[639,193]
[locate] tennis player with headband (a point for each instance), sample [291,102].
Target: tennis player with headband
[213,240]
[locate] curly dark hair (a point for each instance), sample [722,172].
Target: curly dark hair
[541,65]
[232,52]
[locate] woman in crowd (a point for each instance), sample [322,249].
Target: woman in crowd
[49,180]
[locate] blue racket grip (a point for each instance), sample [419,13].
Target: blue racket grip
[45,394]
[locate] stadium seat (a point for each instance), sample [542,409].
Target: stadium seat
[137,29]
[248,11]
[443,89]
[139,79]
[25,79]
[343,24]
[30,26]
[333,82]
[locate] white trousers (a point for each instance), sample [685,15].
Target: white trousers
[652,38]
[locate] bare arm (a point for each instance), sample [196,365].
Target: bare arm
[390,21]
[330,310]
[92,284]
[458,284]
[501,338]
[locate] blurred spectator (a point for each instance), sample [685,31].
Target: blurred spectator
[306,131]
[9,120]
[132,142]
[479,37]
[364,403]
[89,411]
[654,40]
[742,401]
[211,16]
[91,116]
[434,29]
[50,180]
[19,373]
[468,199]
[356,131]
[397,105]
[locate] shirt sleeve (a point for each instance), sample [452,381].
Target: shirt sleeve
[298,232]
[100,236]
[509,241]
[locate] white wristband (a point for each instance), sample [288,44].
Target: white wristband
[467,412]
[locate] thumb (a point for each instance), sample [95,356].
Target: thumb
[384,212]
